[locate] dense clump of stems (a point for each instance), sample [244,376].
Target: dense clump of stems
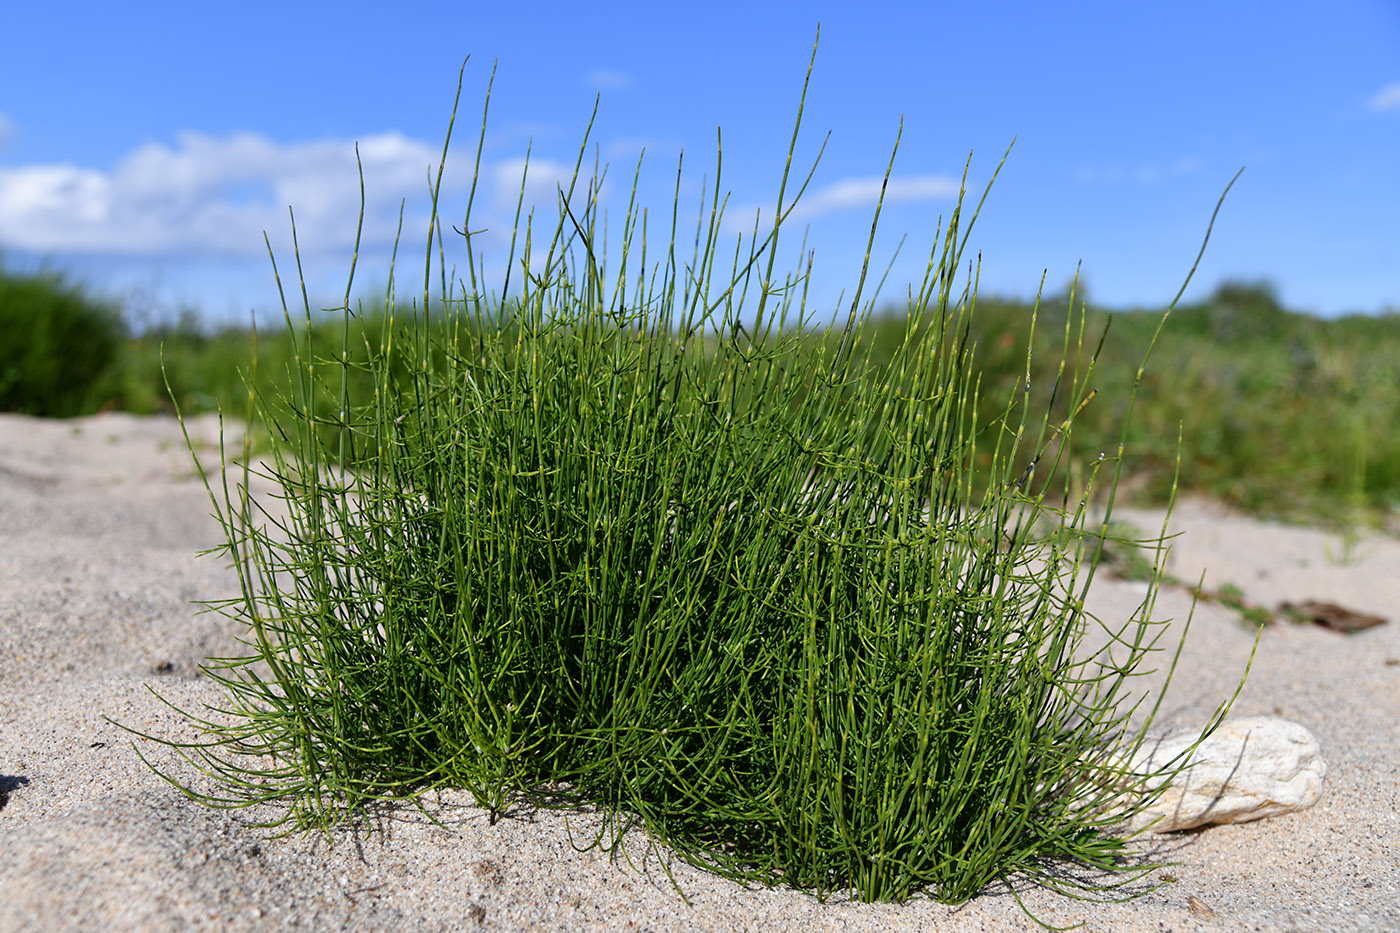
[628,534]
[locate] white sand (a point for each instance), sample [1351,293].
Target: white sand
[99,522]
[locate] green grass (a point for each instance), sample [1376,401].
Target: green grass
[1232,597]
[783,598]
[1283,415]
[58,346]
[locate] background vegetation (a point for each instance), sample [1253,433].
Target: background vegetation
[1285,415]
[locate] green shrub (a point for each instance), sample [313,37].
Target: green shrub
[1285,415]
[58,344]
[801,613]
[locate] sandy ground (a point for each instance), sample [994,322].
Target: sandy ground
[100,520]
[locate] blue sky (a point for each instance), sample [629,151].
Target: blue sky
[145,148]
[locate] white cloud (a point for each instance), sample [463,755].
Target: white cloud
[542,182]
[851,193]
[1387,98]
[215,195]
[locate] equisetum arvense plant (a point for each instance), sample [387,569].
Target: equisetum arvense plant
[633,530]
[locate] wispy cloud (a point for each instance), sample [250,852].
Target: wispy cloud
[856,193]
[542,184]
[608,79]
[849,193]
[215,195]
[628,148]
[1387,98]
[1185,165]
[1146,173]
[7,130]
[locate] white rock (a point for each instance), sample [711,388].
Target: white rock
[1246,770]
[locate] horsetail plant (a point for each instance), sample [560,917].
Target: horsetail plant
[611,538]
